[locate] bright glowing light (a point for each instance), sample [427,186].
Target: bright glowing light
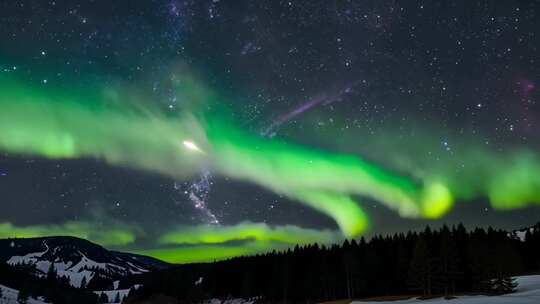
[191,146]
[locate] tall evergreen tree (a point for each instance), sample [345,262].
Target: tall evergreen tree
[117,298]
[103,298]
[503,264]
[22,297]
[420,270]
[83,283]
[51,273]
[447,271]
[349,264]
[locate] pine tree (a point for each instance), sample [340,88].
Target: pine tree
[349,266]
[503,284]
[51,273]
[103,298]
[22,297]
[447,262]
[504,262]
[117,298]
[83,283]
[420,270]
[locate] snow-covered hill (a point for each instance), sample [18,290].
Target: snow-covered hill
[528,292]
[9,296]
[76,259]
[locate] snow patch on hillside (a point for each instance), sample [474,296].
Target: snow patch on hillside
[112,295]
[520,234]
[75,273]
[136,270]
[76,278]
[9,296]
[31,258]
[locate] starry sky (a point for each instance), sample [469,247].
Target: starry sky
[194,130]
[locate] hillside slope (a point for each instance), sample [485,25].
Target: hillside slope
[77,259]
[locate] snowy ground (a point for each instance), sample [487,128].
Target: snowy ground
[528,292]
[112,294]
[9,296]
[229,301]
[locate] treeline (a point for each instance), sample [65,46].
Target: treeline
[52,288]
[443,262]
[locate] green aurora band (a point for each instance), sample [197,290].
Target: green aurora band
[208,253]
[208,243]
[184,244]
[99,124]
[111,236]
[244,232]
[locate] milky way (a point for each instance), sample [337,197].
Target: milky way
[62,127]
[200,130]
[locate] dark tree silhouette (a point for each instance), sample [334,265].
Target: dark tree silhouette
[83,283]
[447,271]
[24,294]
[421,268]
[103,298]
[117,298]
[432,262]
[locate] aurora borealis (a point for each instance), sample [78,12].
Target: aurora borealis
[108,152]
[320,180]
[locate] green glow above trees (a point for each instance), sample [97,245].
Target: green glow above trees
[100,124]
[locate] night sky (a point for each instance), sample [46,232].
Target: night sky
[193,130]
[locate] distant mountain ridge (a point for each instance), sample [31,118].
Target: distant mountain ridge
[79,260]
